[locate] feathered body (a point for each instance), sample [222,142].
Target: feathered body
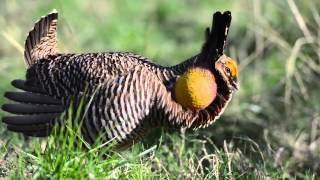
[126,94]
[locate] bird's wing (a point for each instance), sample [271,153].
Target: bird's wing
[119,107]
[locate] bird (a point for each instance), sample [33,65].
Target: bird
[125,95]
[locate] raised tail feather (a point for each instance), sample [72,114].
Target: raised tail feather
[216,37]
[34,112]
[42,39]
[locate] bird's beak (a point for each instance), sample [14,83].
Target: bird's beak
[235,84]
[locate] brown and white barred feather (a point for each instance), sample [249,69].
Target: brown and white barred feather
[123,107]
[132,95]
[42,39]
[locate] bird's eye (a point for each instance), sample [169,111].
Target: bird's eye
[228,71]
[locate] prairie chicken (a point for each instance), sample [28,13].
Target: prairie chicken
[126,94]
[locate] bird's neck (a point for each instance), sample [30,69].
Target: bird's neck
[169,75]
[196,88]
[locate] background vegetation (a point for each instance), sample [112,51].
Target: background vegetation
[271,129]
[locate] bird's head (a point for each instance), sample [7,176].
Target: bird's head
[212,54]
[228,70]
[213,76]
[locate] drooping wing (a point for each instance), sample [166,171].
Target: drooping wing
[120,108]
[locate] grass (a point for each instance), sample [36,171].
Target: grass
[271,129]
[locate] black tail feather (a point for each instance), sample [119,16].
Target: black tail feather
[33,98]
[30,119]
[35,112]
[21,84]
[32,108]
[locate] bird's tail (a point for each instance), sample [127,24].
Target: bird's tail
[34,112]
[42,39]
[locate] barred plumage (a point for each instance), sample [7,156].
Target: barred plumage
[126,94]
[43,39]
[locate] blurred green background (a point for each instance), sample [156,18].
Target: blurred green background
[272,126]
